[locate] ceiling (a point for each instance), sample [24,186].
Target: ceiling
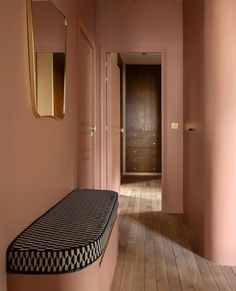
[141,58]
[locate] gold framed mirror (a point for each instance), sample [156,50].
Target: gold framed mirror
[47,55]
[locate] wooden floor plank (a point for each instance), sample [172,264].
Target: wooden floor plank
[156,250]
[229,276]
[150,266]
[234,269]
[208,278]
[184,274]
[123,230]
[219,277]
[183,239]
[128,269]
[172,270]
[161,269]
[139,269]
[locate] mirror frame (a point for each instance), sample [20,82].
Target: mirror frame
[32,62]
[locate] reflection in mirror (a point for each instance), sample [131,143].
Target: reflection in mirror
[47,44]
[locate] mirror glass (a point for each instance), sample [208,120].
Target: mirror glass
[47,45]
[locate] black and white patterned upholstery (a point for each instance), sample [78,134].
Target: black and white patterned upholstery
[69,237]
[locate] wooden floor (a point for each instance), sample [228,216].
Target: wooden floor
[156,250]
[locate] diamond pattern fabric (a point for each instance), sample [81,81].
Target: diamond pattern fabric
[70,236]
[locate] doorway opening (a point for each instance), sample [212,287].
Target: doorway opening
[133,118]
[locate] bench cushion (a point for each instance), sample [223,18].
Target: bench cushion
[69,237]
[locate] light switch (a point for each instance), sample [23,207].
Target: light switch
[174,125]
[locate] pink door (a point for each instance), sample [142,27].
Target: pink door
[113,122]
[87,129]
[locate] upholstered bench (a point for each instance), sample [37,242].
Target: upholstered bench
[72,247]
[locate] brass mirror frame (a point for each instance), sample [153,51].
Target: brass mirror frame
[32,62]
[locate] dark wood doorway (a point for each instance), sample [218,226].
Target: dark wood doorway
[143,119]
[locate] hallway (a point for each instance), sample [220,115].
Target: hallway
[156,250]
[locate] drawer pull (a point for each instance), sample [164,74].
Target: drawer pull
[134,160]
[154,152]
[153,143]
[135,168]
[135,152]
[154,169]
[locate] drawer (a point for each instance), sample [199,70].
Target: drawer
[141,134]
[142,164]
[142,160]
[141,151]
[141,143]
[141,168]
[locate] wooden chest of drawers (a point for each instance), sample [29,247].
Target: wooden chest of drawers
[143,119]
[142,150]
[142,163]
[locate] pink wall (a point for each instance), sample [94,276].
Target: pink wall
[38,156]
[147,24]
[49,27]
[218,166]
[220,90]
[87,14]
[194,116]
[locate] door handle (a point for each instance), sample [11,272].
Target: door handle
[122,130]
[93,130]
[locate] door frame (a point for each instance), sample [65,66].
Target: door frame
[112,130]
[82,29]
[116,49]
